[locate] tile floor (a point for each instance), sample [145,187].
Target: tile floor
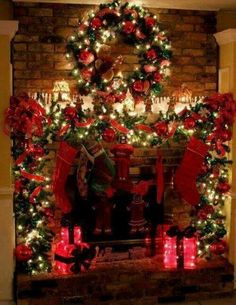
[219,301]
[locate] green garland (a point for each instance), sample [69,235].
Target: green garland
[32,130]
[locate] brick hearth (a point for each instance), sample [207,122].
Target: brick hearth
[128,282]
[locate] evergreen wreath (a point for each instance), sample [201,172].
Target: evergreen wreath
[97,73]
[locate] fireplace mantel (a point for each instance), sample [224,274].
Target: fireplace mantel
[181,4]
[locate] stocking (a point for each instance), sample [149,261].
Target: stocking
[122,154]
[81,174]
[65,157]
[190,167]
[103,170]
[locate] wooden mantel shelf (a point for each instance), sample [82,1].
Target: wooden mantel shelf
[208,5]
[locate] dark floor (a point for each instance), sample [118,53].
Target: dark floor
[219,301]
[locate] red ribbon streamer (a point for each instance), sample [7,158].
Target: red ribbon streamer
[21,157]
[35,193]
[119,127]
[63,130]
[159,177]
[144,128]
[32,176]
[84,124]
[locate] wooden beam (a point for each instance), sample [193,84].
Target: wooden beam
[168,4]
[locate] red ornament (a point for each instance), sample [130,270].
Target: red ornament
[23,253]
[141,86]
[86,57]
[205,211]
[161,128]
[189,123]
[96,23]
[70,113]
[86,73]
[151,54]
[157,77]
[128,27]
[218,247]
[109,135]
[150,22]
[223,187]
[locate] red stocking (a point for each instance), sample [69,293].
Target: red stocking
[65,157]
[190,168]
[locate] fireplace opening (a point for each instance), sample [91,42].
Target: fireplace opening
[129,221]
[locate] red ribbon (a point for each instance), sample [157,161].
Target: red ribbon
[21,157]
[119,127]
[84,124]
[31,149]
[35,193]
[26,116]
[144,128]
[63,130]
[32,176]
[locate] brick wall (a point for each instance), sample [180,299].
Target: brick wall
[39,46]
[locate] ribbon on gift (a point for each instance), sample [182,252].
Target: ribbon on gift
[80,258]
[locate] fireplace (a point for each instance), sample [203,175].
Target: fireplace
[136,222]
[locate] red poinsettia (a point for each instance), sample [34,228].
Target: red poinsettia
[86,57]
[151,54]
[128,27]
[96,23]
[150,22]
